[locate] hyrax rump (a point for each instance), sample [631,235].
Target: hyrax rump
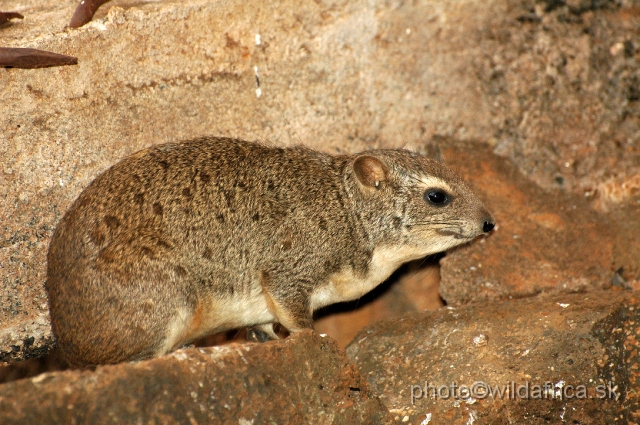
[186,239]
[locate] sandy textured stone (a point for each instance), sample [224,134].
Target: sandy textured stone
[564,84]
[303,379]
[562,341]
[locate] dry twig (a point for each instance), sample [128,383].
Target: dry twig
[16,57]
[6,16]
[84,12]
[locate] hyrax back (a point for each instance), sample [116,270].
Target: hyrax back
[182,240]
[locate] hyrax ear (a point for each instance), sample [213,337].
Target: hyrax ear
[370,170]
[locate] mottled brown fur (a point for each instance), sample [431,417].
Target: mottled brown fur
[185,239]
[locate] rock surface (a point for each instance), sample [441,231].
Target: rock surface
[571,359]
[544,241]
[303,379]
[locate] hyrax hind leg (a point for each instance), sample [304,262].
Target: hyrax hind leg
[261,333]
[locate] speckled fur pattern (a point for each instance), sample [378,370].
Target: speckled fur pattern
[185,239]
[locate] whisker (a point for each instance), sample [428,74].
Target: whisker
[435,226]
[452,220]
[446,223]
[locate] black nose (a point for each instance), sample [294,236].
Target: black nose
[488,226]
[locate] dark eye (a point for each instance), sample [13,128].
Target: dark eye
[436,197]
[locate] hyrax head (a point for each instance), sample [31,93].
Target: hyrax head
[423,205]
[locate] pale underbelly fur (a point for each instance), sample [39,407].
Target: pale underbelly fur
[217,315]
[347,286]
[238,311]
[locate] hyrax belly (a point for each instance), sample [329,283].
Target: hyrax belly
[215,314]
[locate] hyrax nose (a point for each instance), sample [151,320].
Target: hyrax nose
[489,224]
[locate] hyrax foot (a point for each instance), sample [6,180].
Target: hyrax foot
[256,335]
[261,333]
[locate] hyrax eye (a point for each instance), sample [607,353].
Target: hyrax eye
[436,197]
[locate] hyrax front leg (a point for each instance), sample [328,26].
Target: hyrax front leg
[289,302]
[293,313]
